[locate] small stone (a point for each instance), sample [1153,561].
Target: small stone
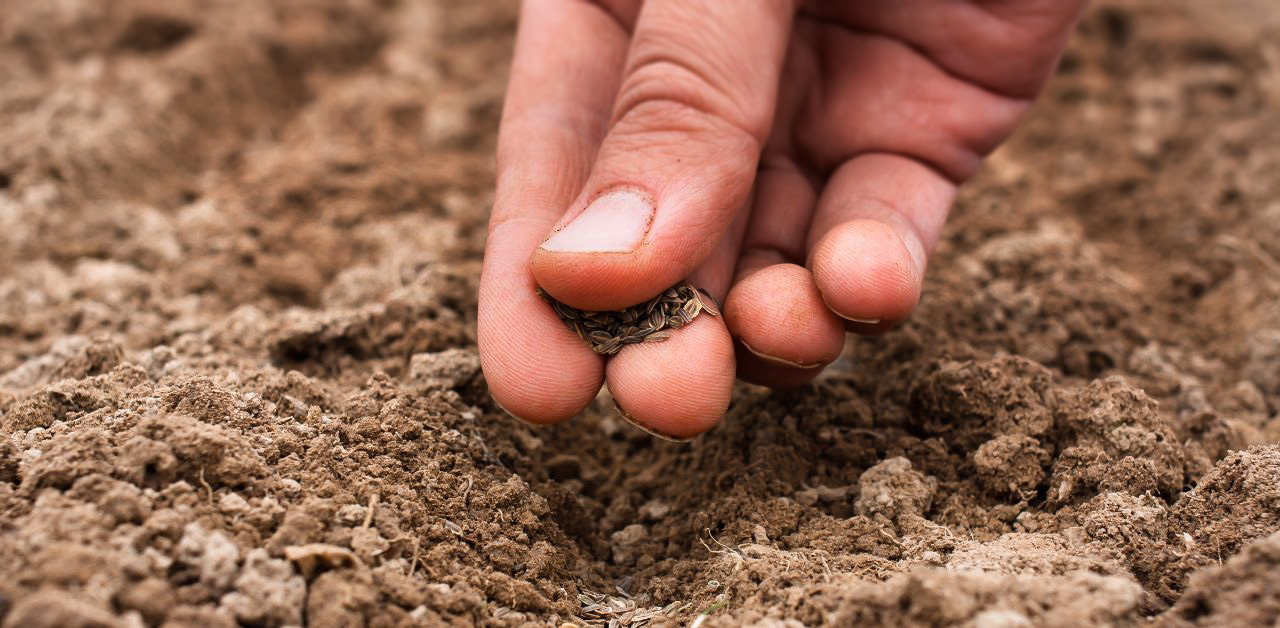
[893,488]
[233,504]
[625,540]
[56,609]
[212,553]
[338,599]
[829,495]
[806,497]
[368,544]
[444,370]
[654,510]
[152,598]
[352,514]
[999,618]
[630,535]
[268,592]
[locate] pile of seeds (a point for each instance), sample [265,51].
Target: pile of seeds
[608,332]
[623,612]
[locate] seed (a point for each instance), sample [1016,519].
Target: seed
[565,311]
[657,319]
[607,332]
[708,302]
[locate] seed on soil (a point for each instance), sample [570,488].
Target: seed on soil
[623,612]
[608,332]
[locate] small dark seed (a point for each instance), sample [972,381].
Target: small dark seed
[709,304]
[565,311]
[657,319]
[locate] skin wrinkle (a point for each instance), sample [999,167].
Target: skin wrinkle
[663,73]
[625,21]
[953,41]
[909,224]
[784,183]
[583,123]
[671,105]
[521,356]
[771,255]
[959,157]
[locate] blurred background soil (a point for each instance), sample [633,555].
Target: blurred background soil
[239,247]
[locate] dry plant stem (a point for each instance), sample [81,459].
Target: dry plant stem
[608,332]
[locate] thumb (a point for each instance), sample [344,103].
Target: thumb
[692,114]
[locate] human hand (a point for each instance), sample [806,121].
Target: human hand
[796,162]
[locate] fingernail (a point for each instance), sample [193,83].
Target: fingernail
[777,360]
[867,321]
[512,414]
[615,222]
[649,430]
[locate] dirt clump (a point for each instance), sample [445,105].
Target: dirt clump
[1239,592]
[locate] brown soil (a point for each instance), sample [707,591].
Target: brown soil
[239,246]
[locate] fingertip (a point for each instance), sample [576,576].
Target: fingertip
[866,274]
[541,382]
[679,388]
[778,315]
[601,282]
[762,371]
[537,370]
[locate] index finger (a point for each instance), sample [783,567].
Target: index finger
[567,66]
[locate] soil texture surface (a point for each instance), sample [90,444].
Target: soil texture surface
[239,249]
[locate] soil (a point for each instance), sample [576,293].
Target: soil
[239,247]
